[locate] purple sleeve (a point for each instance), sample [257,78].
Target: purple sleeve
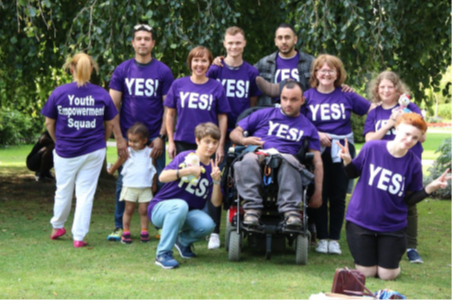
[49,110]
[369,125]
[414,108]
[168,80]
[360,105]
[110,108]
[415,183]
[170,99]
[116,81]
[250,123]
[212,72]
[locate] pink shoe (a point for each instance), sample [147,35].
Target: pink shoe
[79,244]
[58,233]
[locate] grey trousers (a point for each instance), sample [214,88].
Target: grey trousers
[248,178]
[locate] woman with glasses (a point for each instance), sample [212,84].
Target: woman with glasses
[329,109]
[195,99]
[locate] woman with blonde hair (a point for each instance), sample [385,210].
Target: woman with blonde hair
[330,109]
[385,91]
[75,116]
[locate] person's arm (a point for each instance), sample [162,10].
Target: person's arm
[154,180]
[119,162]
[316,199]
[158,144]
[121,143]
[217,195]
[173,175]
[223,125]
[237,137]
[169,120]
[412,198]
[380,133]
[50,124]
[325,139]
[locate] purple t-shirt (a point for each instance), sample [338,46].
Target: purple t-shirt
[331,112]
[142,88]
[377,202]
[195,104]
[195,195]
[285,134]
[79,113]
[287,68]
[378,117]
[239,84]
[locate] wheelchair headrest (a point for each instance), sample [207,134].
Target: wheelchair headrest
[250,110]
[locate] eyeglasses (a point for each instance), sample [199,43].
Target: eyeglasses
[327,72]
[144,27]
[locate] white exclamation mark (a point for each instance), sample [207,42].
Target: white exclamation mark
[343,111]
[247,89]
[403,187]
[156,87]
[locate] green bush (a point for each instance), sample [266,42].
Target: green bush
[440,165]
[444,111]
[358,127]
[18,128]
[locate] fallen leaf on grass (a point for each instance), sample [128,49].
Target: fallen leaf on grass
[55,293]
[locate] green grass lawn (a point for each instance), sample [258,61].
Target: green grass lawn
[33,266]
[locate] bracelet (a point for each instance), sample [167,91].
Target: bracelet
[177,174]
[216,182]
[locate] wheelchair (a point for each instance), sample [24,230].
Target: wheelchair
[272,232]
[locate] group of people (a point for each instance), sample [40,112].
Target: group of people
[198,116]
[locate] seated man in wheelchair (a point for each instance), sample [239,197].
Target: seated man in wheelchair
[284,129]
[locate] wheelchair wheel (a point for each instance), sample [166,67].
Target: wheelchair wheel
[227,233]
[235,241]
[301,250]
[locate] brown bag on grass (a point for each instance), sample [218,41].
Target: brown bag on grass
[350,282]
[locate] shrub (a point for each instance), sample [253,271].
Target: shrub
[444,111]
[440,165]
[18,128]
[358,127]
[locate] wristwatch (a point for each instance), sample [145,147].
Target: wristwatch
[163,137]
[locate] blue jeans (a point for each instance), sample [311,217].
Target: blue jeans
[177,222]
[120,205]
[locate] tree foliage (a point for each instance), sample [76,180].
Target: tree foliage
[410,37]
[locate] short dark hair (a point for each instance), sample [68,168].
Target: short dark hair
[143,27]
[290,84]
[139,128]
[285,25]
